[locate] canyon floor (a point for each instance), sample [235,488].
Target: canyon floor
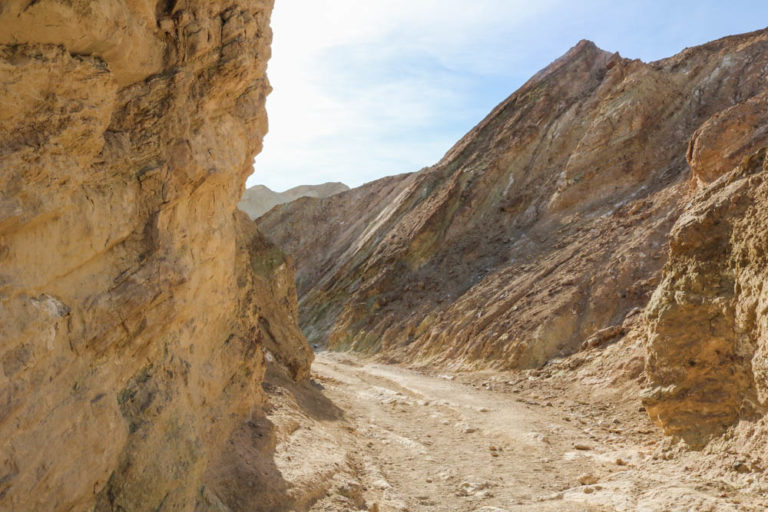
[363,435]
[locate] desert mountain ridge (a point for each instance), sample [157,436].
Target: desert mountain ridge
[259,199]
[546,229]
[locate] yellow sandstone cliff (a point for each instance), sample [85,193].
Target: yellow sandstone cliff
[707,342]
[131,339]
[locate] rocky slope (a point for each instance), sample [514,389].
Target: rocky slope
[132,328]
[543,228]
[259,199]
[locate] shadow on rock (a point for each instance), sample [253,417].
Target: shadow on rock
[246,478]
[307,393]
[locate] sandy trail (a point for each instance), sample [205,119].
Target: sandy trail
[443,446]
[417,442]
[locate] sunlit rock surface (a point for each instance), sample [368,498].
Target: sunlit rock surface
[707,331]
[128,350]
[543,227]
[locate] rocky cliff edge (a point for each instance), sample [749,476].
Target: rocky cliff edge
[129,350]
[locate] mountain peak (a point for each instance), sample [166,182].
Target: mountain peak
[259,199]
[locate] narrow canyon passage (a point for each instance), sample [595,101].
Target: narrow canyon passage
[403,440]
[601,231]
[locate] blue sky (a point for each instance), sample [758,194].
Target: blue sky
[369,88]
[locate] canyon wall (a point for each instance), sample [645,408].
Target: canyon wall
[707,339]
[543,228]
[706,323]
[132,328]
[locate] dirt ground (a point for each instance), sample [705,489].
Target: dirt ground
[363,435]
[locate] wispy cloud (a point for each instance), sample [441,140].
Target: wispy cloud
[367,88]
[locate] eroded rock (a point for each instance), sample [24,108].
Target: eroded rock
[129,353]
[707,353]
[544,227]
[259,199]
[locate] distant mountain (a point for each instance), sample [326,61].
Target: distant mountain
[259,199]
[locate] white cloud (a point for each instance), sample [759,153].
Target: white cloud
[342,106]
[367,88]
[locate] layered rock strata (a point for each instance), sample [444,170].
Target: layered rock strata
[542,228]
[130,343]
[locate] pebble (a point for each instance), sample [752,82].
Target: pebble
[446,475]
[741,467]
[381,484]
[582,447]
[551,497]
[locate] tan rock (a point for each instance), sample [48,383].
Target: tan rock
[603,336]
[588,479]
[724,139]
[707,359]
[127,351]
[123,34]
[268,293]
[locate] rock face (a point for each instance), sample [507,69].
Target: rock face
[131,326]
[707,332]
[728,137]
[259,199]
[543,227]
[266,279]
